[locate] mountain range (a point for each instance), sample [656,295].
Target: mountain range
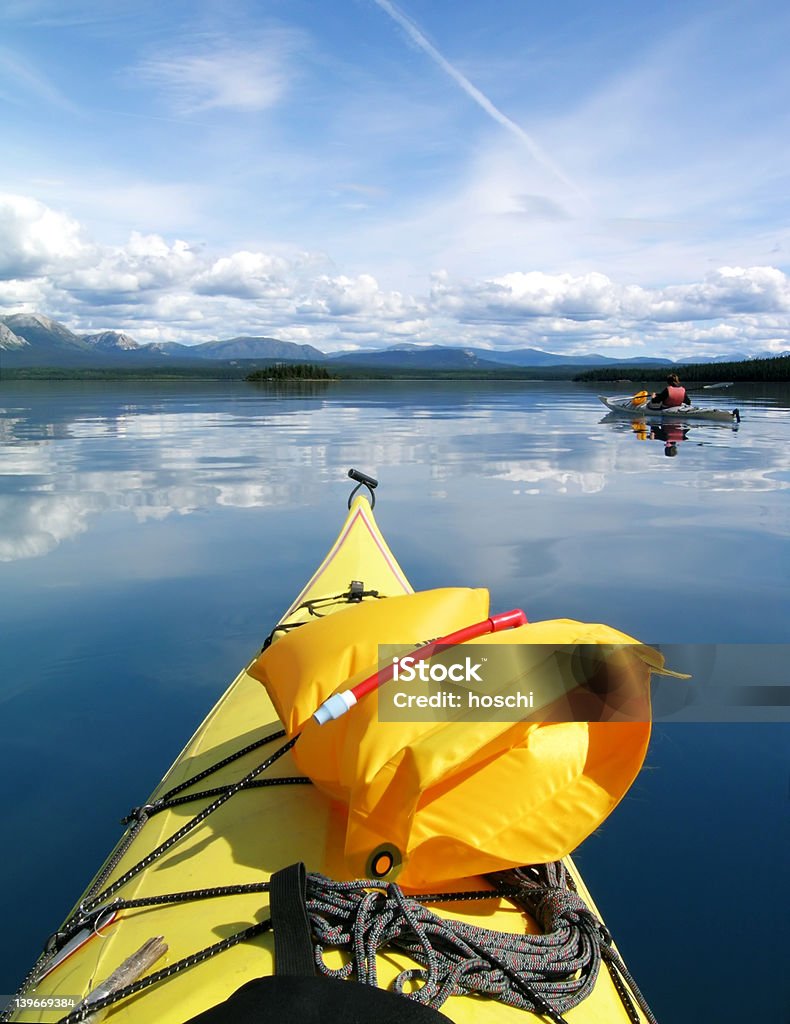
[36,340]
[28,340]
[406,356]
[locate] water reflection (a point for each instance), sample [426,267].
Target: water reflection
[70,456]
[670,434]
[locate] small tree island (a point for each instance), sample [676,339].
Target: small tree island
[290,371]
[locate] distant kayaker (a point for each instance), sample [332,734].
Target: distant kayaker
[673,394]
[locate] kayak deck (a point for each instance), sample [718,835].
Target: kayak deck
[257,832]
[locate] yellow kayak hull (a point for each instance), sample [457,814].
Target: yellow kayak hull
[254,834]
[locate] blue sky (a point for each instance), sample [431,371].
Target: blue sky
[573,177]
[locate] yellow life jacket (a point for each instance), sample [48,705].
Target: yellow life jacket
[451,799]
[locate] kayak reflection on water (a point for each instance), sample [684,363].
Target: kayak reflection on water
[670,433]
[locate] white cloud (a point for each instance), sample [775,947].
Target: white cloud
[729,291]
[145,263]
[520,294]
[35,239]
[245,275]
[172,290]
[29,296]
[343,297]
[222,75]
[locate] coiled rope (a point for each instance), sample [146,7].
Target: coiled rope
[547,973]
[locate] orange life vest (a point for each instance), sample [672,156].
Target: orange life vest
[675,396]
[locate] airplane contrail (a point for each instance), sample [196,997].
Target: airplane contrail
[535,150]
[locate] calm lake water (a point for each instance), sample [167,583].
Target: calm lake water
[150,535]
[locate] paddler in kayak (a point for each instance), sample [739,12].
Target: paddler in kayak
[673,394]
